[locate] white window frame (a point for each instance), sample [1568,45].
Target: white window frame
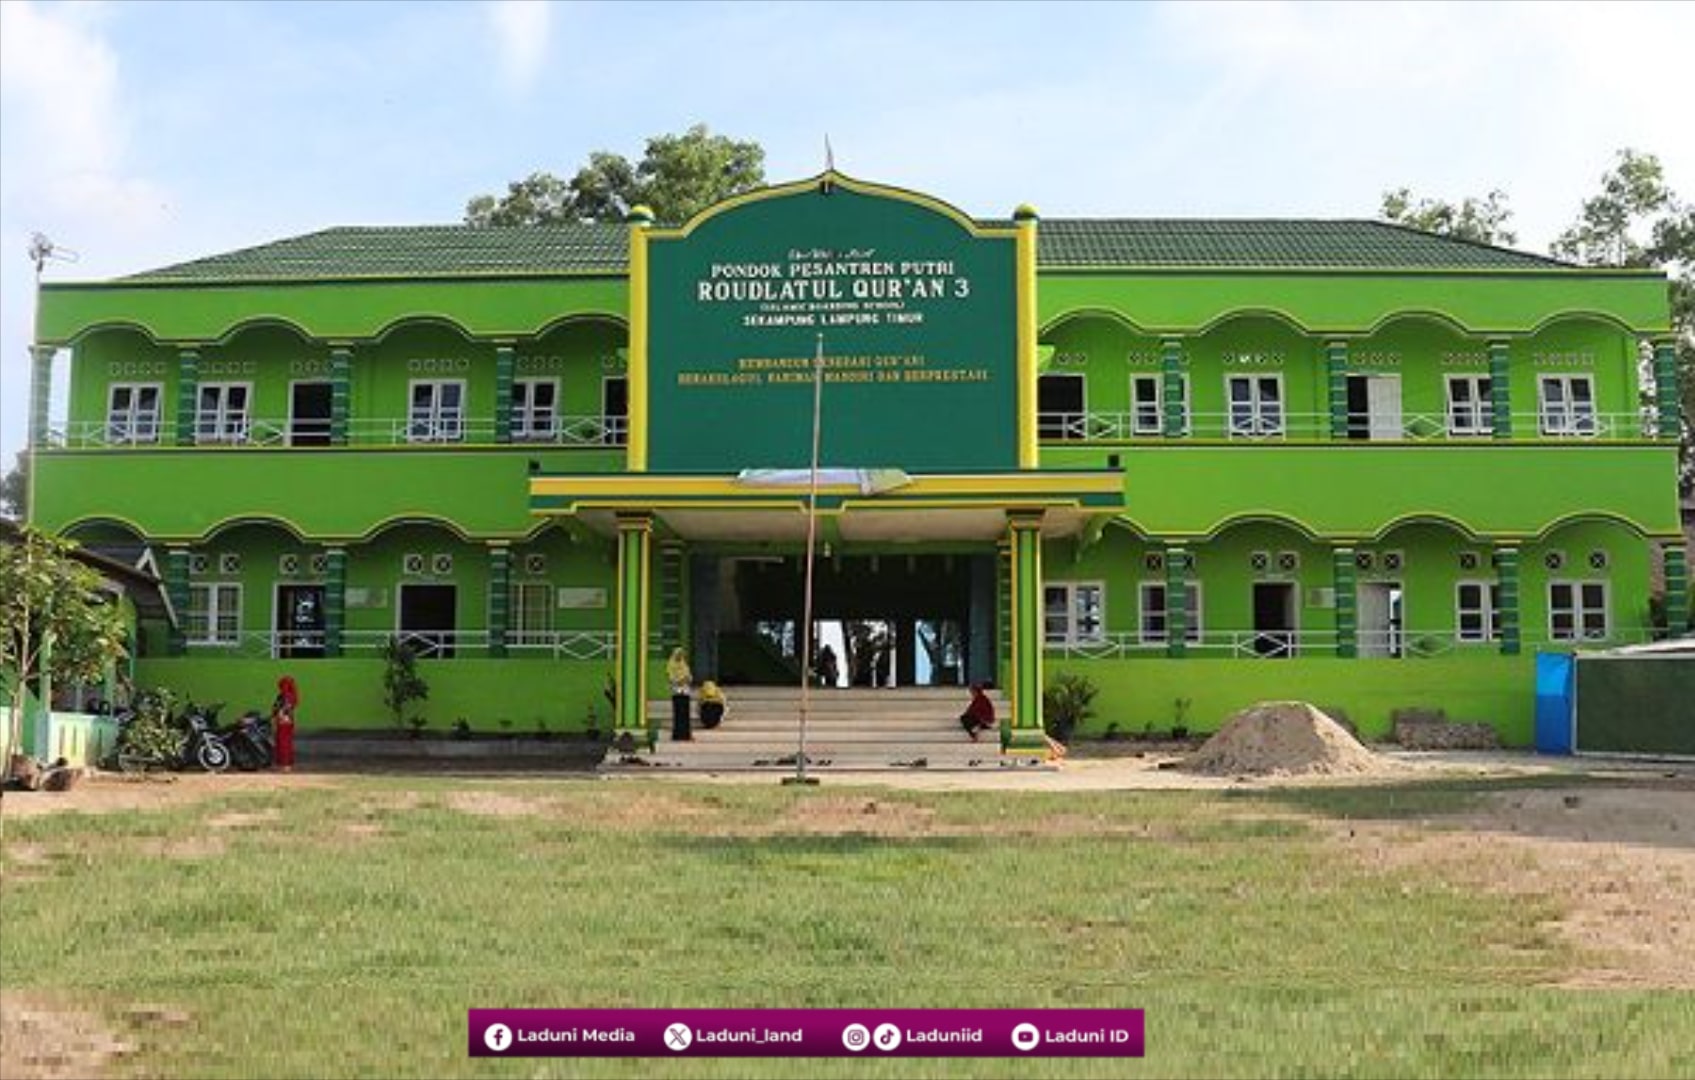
[1579,611]
[125,427]
[1488,613]
[1144,596]
[516,632]
[1566,420]
[530,423]
[223,424]
[1257,426]
[433,422]
[214,613]
[1478,414]
[1137,427]
[1074,590]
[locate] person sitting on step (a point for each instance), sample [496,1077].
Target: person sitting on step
[712,704]
[979,716]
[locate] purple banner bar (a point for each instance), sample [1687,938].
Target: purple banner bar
[806,1033]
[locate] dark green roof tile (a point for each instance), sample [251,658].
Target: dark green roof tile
[466,250]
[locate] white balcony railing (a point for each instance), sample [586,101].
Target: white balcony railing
[361,431]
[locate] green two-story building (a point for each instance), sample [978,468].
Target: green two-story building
[1201,462]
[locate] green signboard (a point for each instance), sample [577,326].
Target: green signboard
[913,311]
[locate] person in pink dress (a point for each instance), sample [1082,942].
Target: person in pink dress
[282,720]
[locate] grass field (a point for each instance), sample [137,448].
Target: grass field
[345,930]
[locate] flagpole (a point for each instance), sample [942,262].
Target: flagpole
[800,776]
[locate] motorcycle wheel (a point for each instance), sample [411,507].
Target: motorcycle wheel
[213,756]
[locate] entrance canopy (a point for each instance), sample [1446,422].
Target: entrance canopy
[880,506]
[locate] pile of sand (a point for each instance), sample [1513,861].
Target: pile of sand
[1288,738]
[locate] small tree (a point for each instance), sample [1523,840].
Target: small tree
[402,685]
[52,606]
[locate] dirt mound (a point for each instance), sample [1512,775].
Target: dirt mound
[1289,738]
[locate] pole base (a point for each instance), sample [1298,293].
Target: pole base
[809,781]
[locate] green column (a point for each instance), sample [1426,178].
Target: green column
[1665,389]
[1677,588]
[499,598]
[504,364]
[635,542]
[176,587]
[335,600]
[670,599]
[1347,602]
[1176,610]
[188,395]
[40,392]
[1506,573]
[341,393]
[1500,389]
[1171,390]
[1025,532]
[1003,609]
[1336,375]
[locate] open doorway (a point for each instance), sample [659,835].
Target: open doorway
[309,413]
[1374,407]
[1274,619]
[1380,618]
[427,619]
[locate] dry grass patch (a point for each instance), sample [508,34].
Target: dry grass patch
[43,1040]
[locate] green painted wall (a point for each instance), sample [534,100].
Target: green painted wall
[1167,301]
[323,493]
[332,310]
[1138,695]
[1361,490]
[347,694]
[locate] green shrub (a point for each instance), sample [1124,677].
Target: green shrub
[1067,702]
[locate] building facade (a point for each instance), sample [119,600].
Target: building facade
[1202,463]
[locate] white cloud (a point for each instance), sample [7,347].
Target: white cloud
[521,34]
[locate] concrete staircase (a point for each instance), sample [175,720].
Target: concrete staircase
[851,730]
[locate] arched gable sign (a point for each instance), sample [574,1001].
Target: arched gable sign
[914,308]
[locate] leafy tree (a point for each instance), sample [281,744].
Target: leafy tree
[1483,221]
[678,176]
[49,602]
[14,489]
[1638,221]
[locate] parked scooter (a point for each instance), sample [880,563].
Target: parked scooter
[206,744]
[251,743]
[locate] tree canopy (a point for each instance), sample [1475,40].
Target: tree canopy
[677,177]
[1483,221]
[49,601]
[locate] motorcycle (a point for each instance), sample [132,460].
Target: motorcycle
[206,743]
[251,743]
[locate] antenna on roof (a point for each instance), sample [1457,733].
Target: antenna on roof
[41,249]
[829,156]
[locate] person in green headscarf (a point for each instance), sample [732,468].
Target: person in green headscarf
[682,680]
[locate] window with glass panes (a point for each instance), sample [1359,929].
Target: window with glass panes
[214,614]
[1073,613]
[1147,404]
[1256,405]
[1567,404]
[534,409]
[436,412]
[1577,611]
[1477,610]
[223,413]
[531,613]
[132,412]
[1153,622]
[1470,411]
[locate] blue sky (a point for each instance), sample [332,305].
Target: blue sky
[139,134]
